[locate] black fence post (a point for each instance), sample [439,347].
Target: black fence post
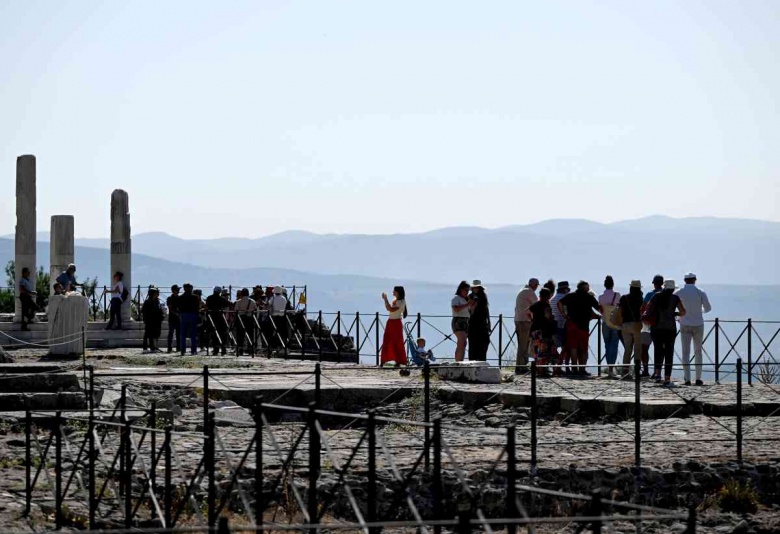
[376,334]
[419,324]
[338,336]
[91,388]
[91,474]
[127,473]
[319,321]
[534,415]
[597,511]
[123,418]
[511,477]
[314,466]
[153,441]
[598,345]
[223,527]
[259,497]
[750,351]
[371,489]
[168,495]
[57,470]
[28,462]
[464,523]
[211,469]
[691,520]
[500,338]
[317,385]
[427,411]
[357,336]
[438,493]
[739,410]
[637,414]
[717,350]
[206,393]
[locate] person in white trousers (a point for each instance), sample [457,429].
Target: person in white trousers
[692,326]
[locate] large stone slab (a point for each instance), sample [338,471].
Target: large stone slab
[68,315]
[476,372]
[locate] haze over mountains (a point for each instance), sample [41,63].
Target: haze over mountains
[722,251]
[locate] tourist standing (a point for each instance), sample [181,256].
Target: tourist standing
[560,334]
[393,350]
[696,304]
[479,324]
[277,307]
[608,300]
[189,309]
[664,307]
[216,304]
[461,312]
[646,335]
[174,323]
[245,309]
[525,298]
[153,315]
[27,296]
[578,308]
[630,310]
[543,329]
[115,306]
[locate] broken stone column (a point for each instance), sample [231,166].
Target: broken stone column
[121,247]
[68,315]
[60,246]
[26,232]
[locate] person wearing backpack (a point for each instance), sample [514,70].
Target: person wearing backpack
[696,303]
[153,315]
[608,300]
[628,313]
[661,314]
[118,296]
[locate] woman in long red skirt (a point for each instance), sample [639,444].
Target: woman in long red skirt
[393,349]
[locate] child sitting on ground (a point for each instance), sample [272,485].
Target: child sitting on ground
[420,355]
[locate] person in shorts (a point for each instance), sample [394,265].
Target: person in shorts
[461,312]
[579,308]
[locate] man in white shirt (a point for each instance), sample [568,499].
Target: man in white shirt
[692,325]
[525,298]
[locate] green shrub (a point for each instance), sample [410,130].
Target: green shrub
[738,497]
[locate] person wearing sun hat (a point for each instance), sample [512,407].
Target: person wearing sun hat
[646,335]
[525,299]
[479,323]
[666,307]
[696,304]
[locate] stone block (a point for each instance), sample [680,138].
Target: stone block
[476,372]
[68,315]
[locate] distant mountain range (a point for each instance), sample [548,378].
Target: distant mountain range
[722,251]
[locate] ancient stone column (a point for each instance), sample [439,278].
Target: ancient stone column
[60,246]
[121,247]
[26,231]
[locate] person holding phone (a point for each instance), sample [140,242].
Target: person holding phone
[393,350]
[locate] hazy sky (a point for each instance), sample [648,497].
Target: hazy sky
[248,118]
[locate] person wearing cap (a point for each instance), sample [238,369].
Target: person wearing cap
[479,323]
[277,309]
[578,308]
[665,307]
[153,315]
[560,321]
[68,279]
[630,310]
[216,304]
[696,304]
[393,350]
[245,309]
[608,300]
[646,335]
[525,298]
[174,323]
[189,308]
[115,306]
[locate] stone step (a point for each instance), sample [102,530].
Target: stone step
[46,382]
[16,402]
[30,367]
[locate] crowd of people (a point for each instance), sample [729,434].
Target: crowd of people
[216,322]
[553,326]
